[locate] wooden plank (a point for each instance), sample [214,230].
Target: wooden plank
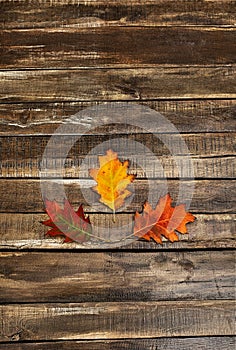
[116,276]
[212,154]
[68,13]
[187,116]
[116,46]
[209,167]
[210,196]
[25,231]
[117,320]
[199,343]
[117,84]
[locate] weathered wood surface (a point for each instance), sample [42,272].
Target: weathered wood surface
[116,46]
[117,84]
[24,196]
[117,320]
[116,277]
[58,57]
[196,116]
[68,13]
[212,154]
[199,343]
[24,231]
[211,167]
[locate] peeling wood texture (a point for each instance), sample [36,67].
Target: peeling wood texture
[117,84]
[69,13]
[117,320]
[212,154]
[58,58]
[199,343]
[193,116]
[116,277]
[114,46]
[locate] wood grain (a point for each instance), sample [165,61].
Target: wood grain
[196,116]
[68,13]
[199,343]
[212,154]
[117,320]
[210,196]
[59,57]
[116,47]
[116,277]
[25,231]
[117,84]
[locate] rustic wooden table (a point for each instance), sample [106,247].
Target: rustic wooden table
[60,57]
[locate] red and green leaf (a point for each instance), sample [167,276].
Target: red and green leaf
[67,223]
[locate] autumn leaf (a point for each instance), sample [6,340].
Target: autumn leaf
[65,222]
[112,181]
[164,220]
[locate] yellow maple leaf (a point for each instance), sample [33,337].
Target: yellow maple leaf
[112,180]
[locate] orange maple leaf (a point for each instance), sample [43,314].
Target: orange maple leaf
[112,180]
[164,220]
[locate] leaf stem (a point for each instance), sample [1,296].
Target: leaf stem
[75,228]
[114,216]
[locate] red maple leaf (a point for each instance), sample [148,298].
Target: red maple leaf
[65,222]
[164,220]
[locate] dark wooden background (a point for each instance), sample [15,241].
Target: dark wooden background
[59,57]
